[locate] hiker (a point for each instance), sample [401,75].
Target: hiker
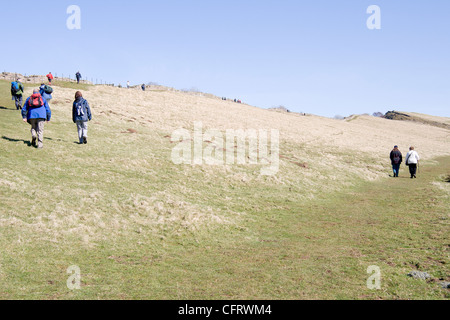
[81,114]
[50,77]
[412,160]
[36,111]
[128,84]
[46,92]
[78,76]
[143,87]
[396,160]
[17,89]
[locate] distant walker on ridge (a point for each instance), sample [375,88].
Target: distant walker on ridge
[78,76]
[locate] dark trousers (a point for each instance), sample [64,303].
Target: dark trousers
[18,100]
[396,169]
[413,169]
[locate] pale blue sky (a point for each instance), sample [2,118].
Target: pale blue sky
[313,56]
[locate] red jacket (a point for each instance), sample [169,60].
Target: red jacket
[50,76]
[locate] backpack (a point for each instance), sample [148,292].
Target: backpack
[396,157]
[48,89]
[407,159]
[80,107]
[15,87]
[35,101]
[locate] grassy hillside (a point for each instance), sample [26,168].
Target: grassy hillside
[140,227]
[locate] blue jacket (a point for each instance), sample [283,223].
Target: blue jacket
[81,110]
[43,112]
[45,95]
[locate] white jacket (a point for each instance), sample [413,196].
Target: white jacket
[412,157]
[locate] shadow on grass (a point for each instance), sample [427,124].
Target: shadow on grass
[28,143]
[4,108]
[399,177]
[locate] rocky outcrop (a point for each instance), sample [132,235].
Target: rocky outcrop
[400,116]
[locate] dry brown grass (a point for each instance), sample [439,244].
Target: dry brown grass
[168,111]
[219,231]
[318,156]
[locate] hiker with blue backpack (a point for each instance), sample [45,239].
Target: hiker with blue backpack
[81,114]
[46,92]
[36,111]
[396,160]
[17,90]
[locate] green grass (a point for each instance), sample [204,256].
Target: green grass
[119,210]
[71,85]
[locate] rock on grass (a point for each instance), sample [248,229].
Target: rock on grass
[419,275]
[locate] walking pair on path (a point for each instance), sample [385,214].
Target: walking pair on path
[412,161]
[36,112]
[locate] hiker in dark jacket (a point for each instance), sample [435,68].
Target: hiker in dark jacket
[81,114]
[17,89]
[78,76]
[143,87]
[396,160]
[43,92]
[36,111]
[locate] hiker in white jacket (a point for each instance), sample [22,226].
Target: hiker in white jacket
[412,160]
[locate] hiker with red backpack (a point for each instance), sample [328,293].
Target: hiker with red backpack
[50,77]
[17,89]
[36,111]
[396,160]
